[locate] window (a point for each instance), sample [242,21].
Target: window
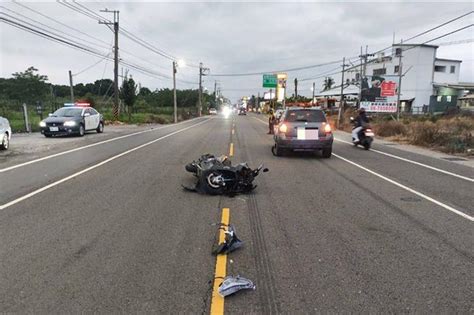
[440,69]
[398,52]
[396,69]
[357,76]
[448,98]
[304,115]
[453,69]
[439,98]
[93,111]
[379,71]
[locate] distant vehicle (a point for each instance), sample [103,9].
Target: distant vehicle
[242,111]
[303,129]
[212,111]
[5,133]
[72,120]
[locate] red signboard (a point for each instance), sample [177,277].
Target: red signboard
[388,88]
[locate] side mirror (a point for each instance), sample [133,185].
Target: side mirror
[87,115]
[50,114]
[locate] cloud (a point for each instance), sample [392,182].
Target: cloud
[231,38]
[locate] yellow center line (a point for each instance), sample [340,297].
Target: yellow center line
[217,301]
[231,149]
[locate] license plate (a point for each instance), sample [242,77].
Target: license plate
[307,134]
[53,129]
[369,134]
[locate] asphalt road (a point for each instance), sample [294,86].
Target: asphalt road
[108,228]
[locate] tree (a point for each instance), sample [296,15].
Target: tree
[328,83]
[27,86]
[128,93]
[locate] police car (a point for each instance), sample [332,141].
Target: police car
[72,119]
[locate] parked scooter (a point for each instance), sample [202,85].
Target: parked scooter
[366,136]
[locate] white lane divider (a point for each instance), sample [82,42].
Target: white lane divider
[6,169]
[33,193]
[443,205]
[414,162]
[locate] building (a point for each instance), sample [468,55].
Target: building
[428,83]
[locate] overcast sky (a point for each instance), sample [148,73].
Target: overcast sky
[230,37]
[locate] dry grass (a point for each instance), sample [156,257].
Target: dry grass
[452,134]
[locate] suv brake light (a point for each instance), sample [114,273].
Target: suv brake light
[327,128]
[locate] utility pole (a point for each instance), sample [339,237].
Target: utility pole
[71,86]
[258,102]
[175,101]
[215,93]
[400,65]
[202,71]
[115,23]
[363,68]
[341,101]
[296,89]
[314,88]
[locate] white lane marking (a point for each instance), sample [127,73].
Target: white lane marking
[414,162]
[33,193]
[445,206]
[86,147]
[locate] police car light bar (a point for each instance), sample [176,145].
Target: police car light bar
[77,104]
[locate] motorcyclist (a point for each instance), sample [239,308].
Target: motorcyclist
[359,123]
[271,121]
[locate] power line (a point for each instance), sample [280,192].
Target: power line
[81,32]
[411,46]
[93,65]
[429,30]
[274,71]
[59,39]
[59,22]
[74,8]
[45,25]
[80,8]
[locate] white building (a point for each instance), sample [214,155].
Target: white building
[428,82]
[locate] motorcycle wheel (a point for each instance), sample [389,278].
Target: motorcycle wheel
[367,145]
[207,185]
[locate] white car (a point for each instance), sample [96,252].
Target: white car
[5,133]
[212,111]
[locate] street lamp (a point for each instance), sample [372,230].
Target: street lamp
[176,64]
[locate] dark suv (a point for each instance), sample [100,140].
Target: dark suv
[303,129]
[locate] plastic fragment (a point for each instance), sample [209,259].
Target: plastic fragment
[232,284]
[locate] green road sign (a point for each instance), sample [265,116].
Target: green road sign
[270,81]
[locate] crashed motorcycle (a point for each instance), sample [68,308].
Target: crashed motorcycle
[217,176]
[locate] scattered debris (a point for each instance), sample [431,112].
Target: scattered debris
[232,284]
[231,242]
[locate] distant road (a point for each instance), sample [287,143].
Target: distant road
[108,227]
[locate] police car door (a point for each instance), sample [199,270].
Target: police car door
[95,118]
[88,119]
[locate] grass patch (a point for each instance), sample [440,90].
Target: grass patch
[449,133]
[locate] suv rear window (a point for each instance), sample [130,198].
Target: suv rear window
[305,115]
